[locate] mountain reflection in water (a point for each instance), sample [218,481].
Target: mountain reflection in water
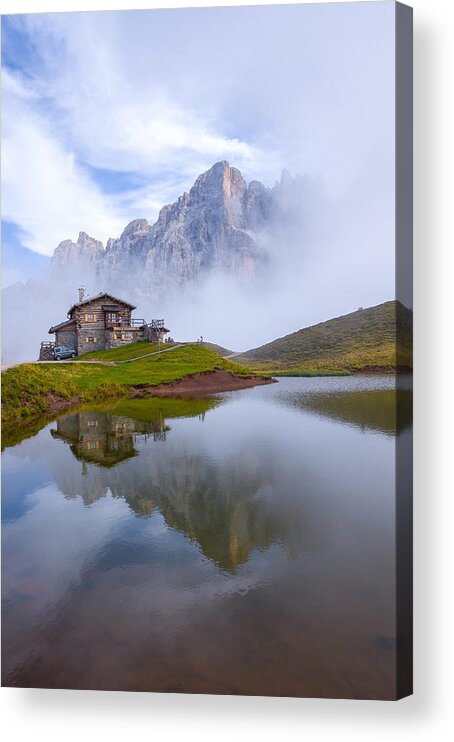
[224,509]
[237,544]
[383,410]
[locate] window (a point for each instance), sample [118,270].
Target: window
[90,318]
[90,340]
[111,318]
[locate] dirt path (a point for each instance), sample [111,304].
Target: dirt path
[5,366]
[154,353]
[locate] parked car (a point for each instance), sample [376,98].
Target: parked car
[62,352]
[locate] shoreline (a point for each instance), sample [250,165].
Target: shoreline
[202,383]
[59,398]
[364,371]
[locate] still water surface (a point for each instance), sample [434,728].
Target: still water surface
[239,544]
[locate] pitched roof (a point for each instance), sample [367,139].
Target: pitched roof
[66,323]
[99,296]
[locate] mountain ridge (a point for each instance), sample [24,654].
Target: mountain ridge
[211,226]
[376,338]
[223,223]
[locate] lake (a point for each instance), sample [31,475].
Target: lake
[240,544]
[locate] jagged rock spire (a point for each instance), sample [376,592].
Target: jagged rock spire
[221,224]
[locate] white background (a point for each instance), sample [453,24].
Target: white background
[75,715]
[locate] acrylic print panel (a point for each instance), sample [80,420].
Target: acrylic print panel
[213,206]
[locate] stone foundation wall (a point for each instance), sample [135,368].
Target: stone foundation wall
[126,336]
[97,340]
[105,339]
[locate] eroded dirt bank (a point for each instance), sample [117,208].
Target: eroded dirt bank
[205,382]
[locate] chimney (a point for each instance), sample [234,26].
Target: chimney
[81,294]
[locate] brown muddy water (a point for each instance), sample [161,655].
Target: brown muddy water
[243,544]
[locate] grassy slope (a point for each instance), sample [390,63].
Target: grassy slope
[365,338]
[26,388]
[121,354]
[218,349]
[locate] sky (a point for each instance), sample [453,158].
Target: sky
[107,116]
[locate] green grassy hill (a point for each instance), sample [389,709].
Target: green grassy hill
[218,349]
[32,389]
[377,338]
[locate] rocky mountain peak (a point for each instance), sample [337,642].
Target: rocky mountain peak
[221,224]
[85,247]
[219,180]
[136,227]
[86,242]
[286,178]
[76,257]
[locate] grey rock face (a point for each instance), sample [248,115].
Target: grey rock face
[72,255]
[204,230]
[221,224]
